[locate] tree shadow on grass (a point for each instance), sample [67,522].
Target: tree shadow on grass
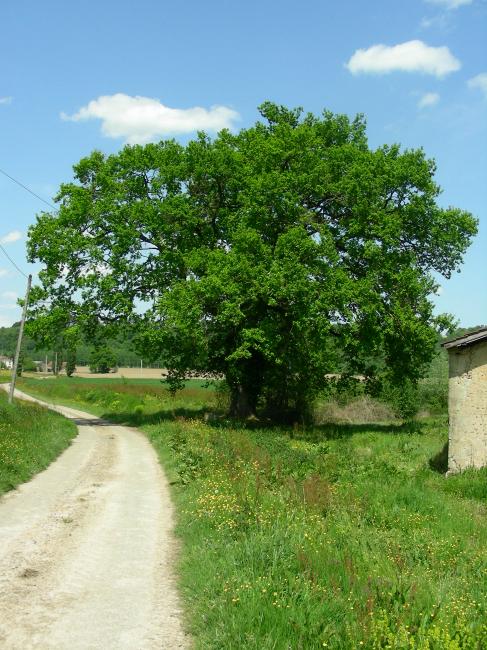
[128,418]
[218,420]
[341,430]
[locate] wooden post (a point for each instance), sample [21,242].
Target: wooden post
[19,342]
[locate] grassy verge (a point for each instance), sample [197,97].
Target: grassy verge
[339,536]
[31,437]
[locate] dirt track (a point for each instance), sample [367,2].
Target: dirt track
[86,549]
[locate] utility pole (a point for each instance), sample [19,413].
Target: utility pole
[19,342]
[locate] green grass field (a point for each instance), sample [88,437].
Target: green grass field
[31,437]
[335,536]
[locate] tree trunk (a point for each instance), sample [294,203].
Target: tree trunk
[241,406]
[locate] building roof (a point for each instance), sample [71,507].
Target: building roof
[467,339]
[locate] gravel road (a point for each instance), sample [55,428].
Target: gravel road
[86,549]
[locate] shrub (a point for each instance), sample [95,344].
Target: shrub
[102,360]
[70,362]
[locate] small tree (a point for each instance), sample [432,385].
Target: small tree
[70,362]
[102,360]
[28,364]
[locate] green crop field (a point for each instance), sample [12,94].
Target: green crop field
[331,536]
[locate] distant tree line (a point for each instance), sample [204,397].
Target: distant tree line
[114,352]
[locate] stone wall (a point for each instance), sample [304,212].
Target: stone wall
[468,407]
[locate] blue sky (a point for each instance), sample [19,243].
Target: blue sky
[80,76]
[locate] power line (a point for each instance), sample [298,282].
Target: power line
[12,262]
[28,189]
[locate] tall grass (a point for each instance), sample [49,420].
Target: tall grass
[30,438]
[337,536]
[124,400]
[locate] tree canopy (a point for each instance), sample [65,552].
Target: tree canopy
[266,255]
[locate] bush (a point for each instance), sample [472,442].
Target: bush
[70,362]
[28,365]
[404,399]
[138,412]
[102,360]
[433,394]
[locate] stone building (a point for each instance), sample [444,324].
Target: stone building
[467,399]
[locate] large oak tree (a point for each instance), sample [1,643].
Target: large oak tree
[263,255]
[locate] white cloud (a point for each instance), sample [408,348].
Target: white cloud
[441,21]
[9,305]
[141,119]
[3,273]
[428,99]
[10,237]
[427,22]
[450,4]
[412,56]
[6,100]
[479,82]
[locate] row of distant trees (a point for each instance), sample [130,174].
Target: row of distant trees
[117,352]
